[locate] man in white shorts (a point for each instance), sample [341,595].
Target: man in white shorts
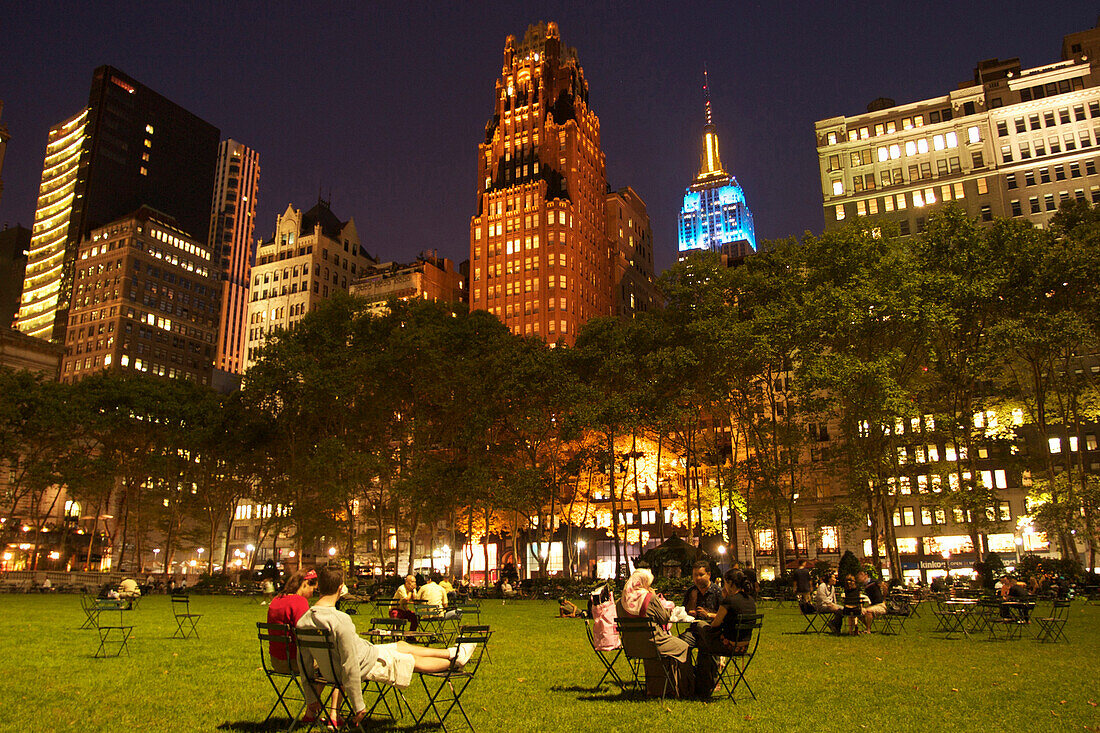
[357,659]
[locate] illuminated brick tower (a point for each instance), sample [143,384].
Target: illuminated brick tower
[232,221]
[715,215]
[539,252]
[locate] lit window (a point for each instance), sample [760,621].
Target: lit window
[910,148]
[883,154]
[1055,445]
[895,151]
[838,188]
[918,199]
[149,129]
[983,186]
[839,212]
[922,145]
[952,140]
[937,142]
[974,134]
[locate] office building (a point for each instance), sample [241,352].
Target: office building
[539,254]
[428,278]
[129,148]
[310,257]
[14,243]
[715,216]
[232,222]
[1009,142]
[631,237]
[145,298]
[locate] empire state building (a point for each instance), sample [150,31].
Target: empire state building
[715,215]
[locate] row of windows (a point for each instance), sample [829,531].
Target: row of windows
[1050,118]
[1039,148]
[889,127]
[917,199]
[1048,203]
[1043,175]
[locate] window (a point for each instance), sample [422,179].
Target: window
[907,516]
[1010,180]
[987,213]
[1048,200]
[973,134]
[983,187]
[1016,209]
[1034,201]
[1029,178]
[838,188]
[1002,128]
[1090,167]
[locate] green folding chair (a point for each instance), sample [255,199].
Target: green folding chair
[186,622]
[285,684]
[112,636]
[446,688]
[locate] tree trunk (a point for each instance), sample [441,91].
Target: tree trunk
[614,504]
[657,478]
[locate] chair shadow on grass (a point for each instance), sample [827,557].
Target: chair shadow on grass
[612,694]
[281,724]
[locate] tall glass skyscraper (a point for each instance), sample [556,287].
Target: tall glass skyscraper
[715,215]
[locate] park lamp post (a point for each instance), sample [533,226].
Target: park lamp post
[581,567]
[156,552]
[946,555]
[1019,542]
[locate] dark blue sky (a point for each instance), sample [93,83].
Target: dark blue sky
[384,103]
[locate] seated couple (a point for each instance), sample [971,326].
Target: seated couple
[855,588]
[358,661]
[714,637]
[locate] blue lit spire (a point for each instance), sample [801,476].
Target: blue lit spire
[715,215]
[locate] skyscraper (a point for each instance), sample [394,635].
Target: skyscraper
[715,215]
[232,221]
[129,148]
[540,258]
[628,229]
[1009,142]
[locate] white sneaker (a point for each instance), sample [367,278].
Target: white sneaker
[465,651]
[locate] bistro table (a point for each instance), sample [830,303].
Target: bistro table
[957,612]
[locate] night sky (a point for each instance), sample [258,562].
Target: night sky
[381,105]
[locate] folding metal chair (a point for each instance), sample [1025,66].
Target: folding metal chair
[636,635]
[471,610]
[602,655]
[1052,628]
[318,639]
[90,605]
[284,683]
[450,685]
[817,622]
[111,635]
[186,622]
[739,662]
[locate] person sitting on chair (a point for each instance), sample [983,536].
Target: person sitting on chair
[721,637]
[435,596]
[287,608]
[853,603]
[639,601]
[356,659]
[703,597]
[404,594]
[877,603]
[825,601]
[506,589]
[128,589]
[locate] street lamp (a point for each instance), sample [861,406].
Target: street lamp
[156,551]
[946,555]
[1019,543]
[332,552]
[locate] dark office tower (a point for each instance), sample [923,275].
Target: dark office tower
[539,253]
[232,221]
[4,137]
[129,148]
[14,243]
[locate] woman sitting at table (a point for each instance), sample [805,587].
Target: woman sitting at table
[639,601]
[825,601]
[853,603]
[721,637]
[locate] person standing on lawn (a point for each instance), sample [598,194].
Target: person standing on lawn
[803,584]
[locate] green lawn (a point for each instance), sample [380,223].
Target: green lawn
[540,671]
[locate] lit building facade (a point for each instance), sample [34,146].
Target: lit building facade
[129,148]
[145,298]
[715,216]
[540,258]
[428,278]
[232,222]
[1010,142]
[631,237]
[310,258]
[43,296]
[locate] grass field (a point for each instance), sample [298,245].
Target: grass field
[541,674]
